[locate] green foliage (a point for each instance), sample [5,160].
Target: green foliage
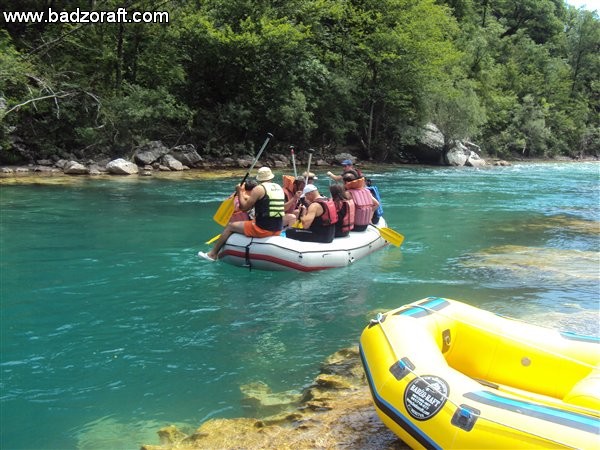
[396,50]
[515,76]
[523,61]
[142,114]
[457,111]
[14,72]
[539,19]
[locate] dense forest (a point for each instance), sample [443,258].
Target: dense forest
[514,76]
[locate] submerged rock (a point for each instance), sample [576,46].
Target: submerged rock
[537,264]
[335,411]
[260,398]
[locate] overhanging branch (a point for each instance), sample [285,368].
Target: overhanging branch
[33,100]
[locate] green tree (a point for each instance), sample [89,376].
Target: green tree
[397,51]
[241,76]
[541,20]
[457,110]
[102,82]
[512,74]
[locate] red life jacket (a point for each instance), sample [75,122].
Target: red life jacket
[363,200]
[330,215]
[347,221]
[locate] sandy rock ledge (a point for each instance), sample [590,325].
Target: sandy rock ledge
[335,412]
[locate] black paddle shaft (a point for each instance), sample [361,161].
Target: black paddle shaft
[269,136]
[310,155]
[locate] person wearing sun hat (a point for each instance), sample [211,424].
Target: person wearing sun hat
[267,199]
[310,177]
[318,219]
[347,167]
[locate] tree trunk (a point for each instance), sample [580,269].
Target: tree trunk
[484,14]
[370,129]
[119,62]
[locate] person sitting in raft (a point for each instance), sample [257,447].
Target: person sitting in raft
[267,200]
[345,208]
[347,167]
[318,220]
[378,212]
[309,177]
[289,191]
[364,202]
[293,202]
[238,214]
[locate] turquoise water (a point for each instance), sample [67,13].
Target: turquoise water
[111,327]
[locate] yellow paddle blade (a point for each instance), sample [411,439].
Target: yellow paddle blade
[224,212]
[298,224]
[393,237]
[213,239]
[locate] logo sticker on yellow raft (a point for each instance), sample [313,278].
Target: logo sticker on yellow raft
[425,396]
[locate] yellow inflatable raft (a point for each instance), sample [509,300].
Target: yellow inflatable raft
[446,375]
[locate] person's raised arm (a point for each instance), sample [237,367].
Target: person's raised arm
[334,176]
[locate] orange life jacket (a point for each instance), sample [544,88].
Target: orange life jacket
[288,189]
[288,183]
[355,184]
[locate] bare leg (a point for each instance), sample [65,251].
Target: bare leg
[232,227]
[289,220]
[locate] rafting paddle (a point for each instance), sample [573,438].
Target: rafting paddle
[293,161]
[310,153]
[298,223]
[392,236]
[213,239]
[225,211]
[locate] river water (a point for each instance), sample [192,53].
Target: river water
[111,327]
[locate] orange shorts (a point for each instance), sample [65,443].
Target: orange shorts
[253,230]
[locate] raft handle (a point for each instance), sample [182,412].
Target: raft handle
[402,368]
[446,339]
[248,262]
[465,417]
[379,319]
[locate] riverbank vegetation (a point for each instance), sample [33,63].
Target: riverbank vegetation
[514,76]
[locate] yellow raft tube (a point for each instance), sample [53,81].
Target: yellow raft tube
[446,375]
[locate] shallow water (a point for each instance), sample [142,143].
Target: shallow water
[111,327]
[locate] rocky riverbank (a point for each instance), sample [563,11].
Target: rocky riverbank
[335,411]
[154,157]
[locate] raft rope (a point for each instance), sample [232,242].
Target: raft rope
[378,319]
[248,262]
[537,347]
